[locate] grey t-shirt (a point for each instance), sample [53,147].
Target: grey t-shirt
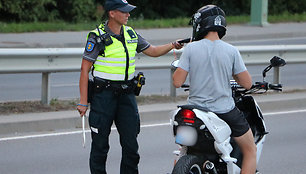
[210,65]
[91,50]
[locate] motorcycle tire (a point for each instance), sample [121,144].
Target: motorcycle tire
[188,164]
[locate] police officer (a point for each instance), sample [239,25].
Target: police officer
[111,50]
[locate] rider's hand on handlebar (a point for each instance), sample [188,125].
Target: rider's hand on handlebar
[261,85]
[266,86]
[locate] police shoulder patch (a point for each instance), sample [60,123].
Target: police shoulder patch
[90,46]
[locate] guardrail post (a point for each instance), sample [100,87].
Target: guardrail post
[276,75]
[45,88]
[172,88]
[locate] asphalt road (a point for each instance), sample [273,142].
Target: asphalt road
[63,154]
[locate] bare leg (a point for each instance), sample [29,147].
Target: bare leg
[248,149]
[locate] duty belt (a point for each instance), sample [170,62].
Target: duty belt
[118,87]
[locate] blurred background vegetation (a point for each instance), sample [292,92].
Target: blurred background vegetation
[54,15]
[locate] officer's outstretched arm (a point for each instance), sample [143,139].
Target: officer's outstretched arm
[156,51]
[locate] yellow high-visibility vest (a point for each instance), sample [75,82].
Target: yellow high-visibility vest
[116,64]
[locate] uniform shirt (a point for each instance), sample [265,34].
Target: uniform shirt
[92,54]
[210,65]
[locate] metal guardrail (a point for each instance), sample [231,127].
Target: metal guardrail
[50,60]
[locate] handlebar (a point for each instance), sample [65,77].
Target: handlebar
[185,86]
[256,88]
[277,87]
[267,86]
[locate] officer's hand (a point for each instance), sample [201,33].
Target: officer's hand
[177,45]
[82,110]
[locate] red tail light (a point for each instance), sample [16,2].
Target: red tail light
[188,116]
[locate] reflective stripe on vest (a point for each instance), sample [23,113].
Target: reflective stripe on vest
[112,65]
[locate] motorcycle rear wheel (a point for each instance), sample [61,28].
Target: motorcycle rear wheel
[188,164]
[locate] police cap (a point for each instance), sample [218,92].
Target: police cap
[121,5]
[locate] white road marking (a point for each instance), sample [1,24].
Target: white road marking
[69,133]
[284,112]
[143,126]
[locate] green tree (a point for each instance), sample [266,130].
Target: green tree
[28,10]
[77,10]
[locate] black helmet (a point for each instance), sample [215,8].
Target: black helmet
[208,18]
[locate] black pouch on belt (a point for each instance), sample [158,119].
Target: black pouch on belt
[90,90]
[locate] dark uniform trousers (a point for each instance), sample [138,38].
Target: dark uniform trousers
[106,108]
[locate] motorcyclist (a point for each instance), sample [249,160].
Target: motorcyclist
[211,63]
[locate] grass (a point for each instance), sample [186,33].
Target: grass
[36,106]
[7,108]
[286,17]
[136,23]
[44,26]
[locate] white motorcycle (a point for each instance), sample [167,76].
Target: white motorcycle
[205,145]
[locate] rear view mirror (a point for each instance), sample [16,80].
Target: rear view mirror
[277,62]
[274,62]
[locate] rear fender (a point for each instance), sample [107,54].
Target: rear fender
[217,127]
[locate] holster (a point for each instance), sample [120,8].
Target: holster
[139,81]
[90,90]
